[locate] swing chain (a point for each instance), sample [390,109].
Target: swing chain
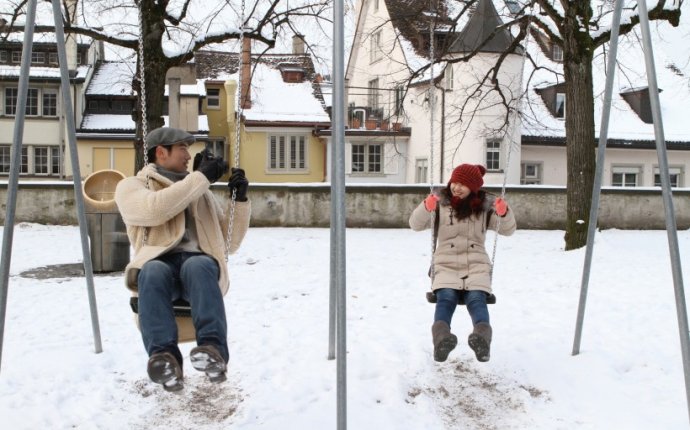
[142,103]
[239,110]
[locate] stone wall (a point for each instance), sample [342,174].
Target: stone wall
[378,206]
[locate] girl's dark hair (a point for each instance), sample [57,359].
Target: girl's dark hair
[472,205]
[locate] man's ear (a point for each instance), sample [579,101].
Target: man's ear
[160,152]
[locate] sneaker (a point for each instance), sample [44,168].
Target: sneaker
[206,358]
[163,368]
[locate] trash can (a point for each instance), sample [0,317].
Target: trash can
[107,231]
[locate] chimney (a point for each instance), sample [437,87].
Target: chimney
[174,102]
[246,98]
[298,44]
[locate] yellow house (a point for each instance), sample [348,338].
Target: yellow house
[281,116]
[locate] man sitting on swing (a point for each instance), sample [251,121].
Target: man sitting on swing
[179,234]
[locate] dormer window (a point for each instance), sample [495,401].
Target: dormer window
[292,74]
[560,105]
[638,100]
[553,97]
[448,77]
[556,53]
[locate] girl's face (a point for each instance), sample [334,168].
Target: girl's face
[459,190]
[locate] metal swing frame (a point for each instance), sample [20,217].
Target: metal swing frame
[667,196]
[15,163]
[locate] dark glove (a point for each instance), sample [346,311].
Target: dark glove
[239,183]
[212,167]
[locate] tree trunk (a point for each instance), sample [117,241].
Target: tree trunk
[156,65]
[579,130]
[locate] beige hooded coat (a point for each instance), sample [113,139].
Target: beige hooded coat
[159,211]
[460,259]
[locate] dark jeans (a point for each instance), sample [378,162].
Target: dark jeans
[189,276]
[447,301]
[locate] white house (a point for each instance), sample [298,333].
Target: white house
[521,136]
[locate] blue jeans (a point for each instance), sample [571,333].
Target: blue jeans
[447,301]
[184,275]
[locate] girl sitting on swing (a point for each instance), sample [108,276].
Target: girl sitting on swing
[461,271]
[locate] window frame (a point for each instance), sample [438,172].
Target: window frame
[375,51]
[366,159]
[676,171]
[373,94]
[556,53]
[214,97]
[625,171]
[556,113]
[536,179]
[283,160]
[448,78]
[490,148]
[421,170]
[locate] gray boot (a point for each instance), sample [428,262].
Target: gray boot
[480,341]
[444,340]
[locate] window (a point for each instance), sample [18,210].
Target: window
[366,158]
[373,94]
[55,160]
[530,173]
[625,176]
[513,6]
[399,99]
[560,105]
[52,58]
[3,56]
[674,174]
[448,76]
[421,170]
[35,160]
[375,52]
[5,159]
[122,106]
[38,57]
[16,56]
[493,155]
[49,107]
[213,98]
[39,101]
[79,58]
[10,101]
[217,147]
[556,53]
[287,153]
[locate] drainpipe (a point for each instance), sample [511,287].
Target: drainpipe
[443,131]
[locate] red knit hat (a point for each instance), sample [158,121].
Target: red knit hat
[469,175]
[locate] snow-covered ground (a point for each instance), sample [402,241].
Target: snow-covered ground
[629,373]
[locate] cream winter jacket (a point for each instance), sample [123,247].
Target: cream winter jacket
[159,211]
[460,260]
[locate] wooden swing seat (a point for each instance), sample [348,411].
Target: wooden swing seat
[181,307]
[431,298]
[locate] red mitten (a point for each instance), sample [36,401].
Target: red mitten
[500,206]
[431,202]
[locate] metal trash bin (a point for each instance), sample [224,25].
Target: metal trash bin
[107,231]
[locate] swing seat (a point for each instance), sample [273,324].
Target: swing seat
[181,307]
[431,298]
[183,318]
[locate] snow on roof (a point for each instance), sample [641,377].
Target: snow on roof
[112,79]
[41,72]
[276,100]
[47,38]
[105,122]
[672,71]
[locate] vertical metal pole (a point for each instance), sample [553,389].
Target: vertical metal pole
[76,174]
[15,163]
[338,210]
[671,230]
[596,190]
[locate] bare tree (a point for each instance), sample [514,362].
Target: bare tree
[171,32]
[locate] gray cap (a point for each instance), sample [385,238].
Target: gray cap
[167,136]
